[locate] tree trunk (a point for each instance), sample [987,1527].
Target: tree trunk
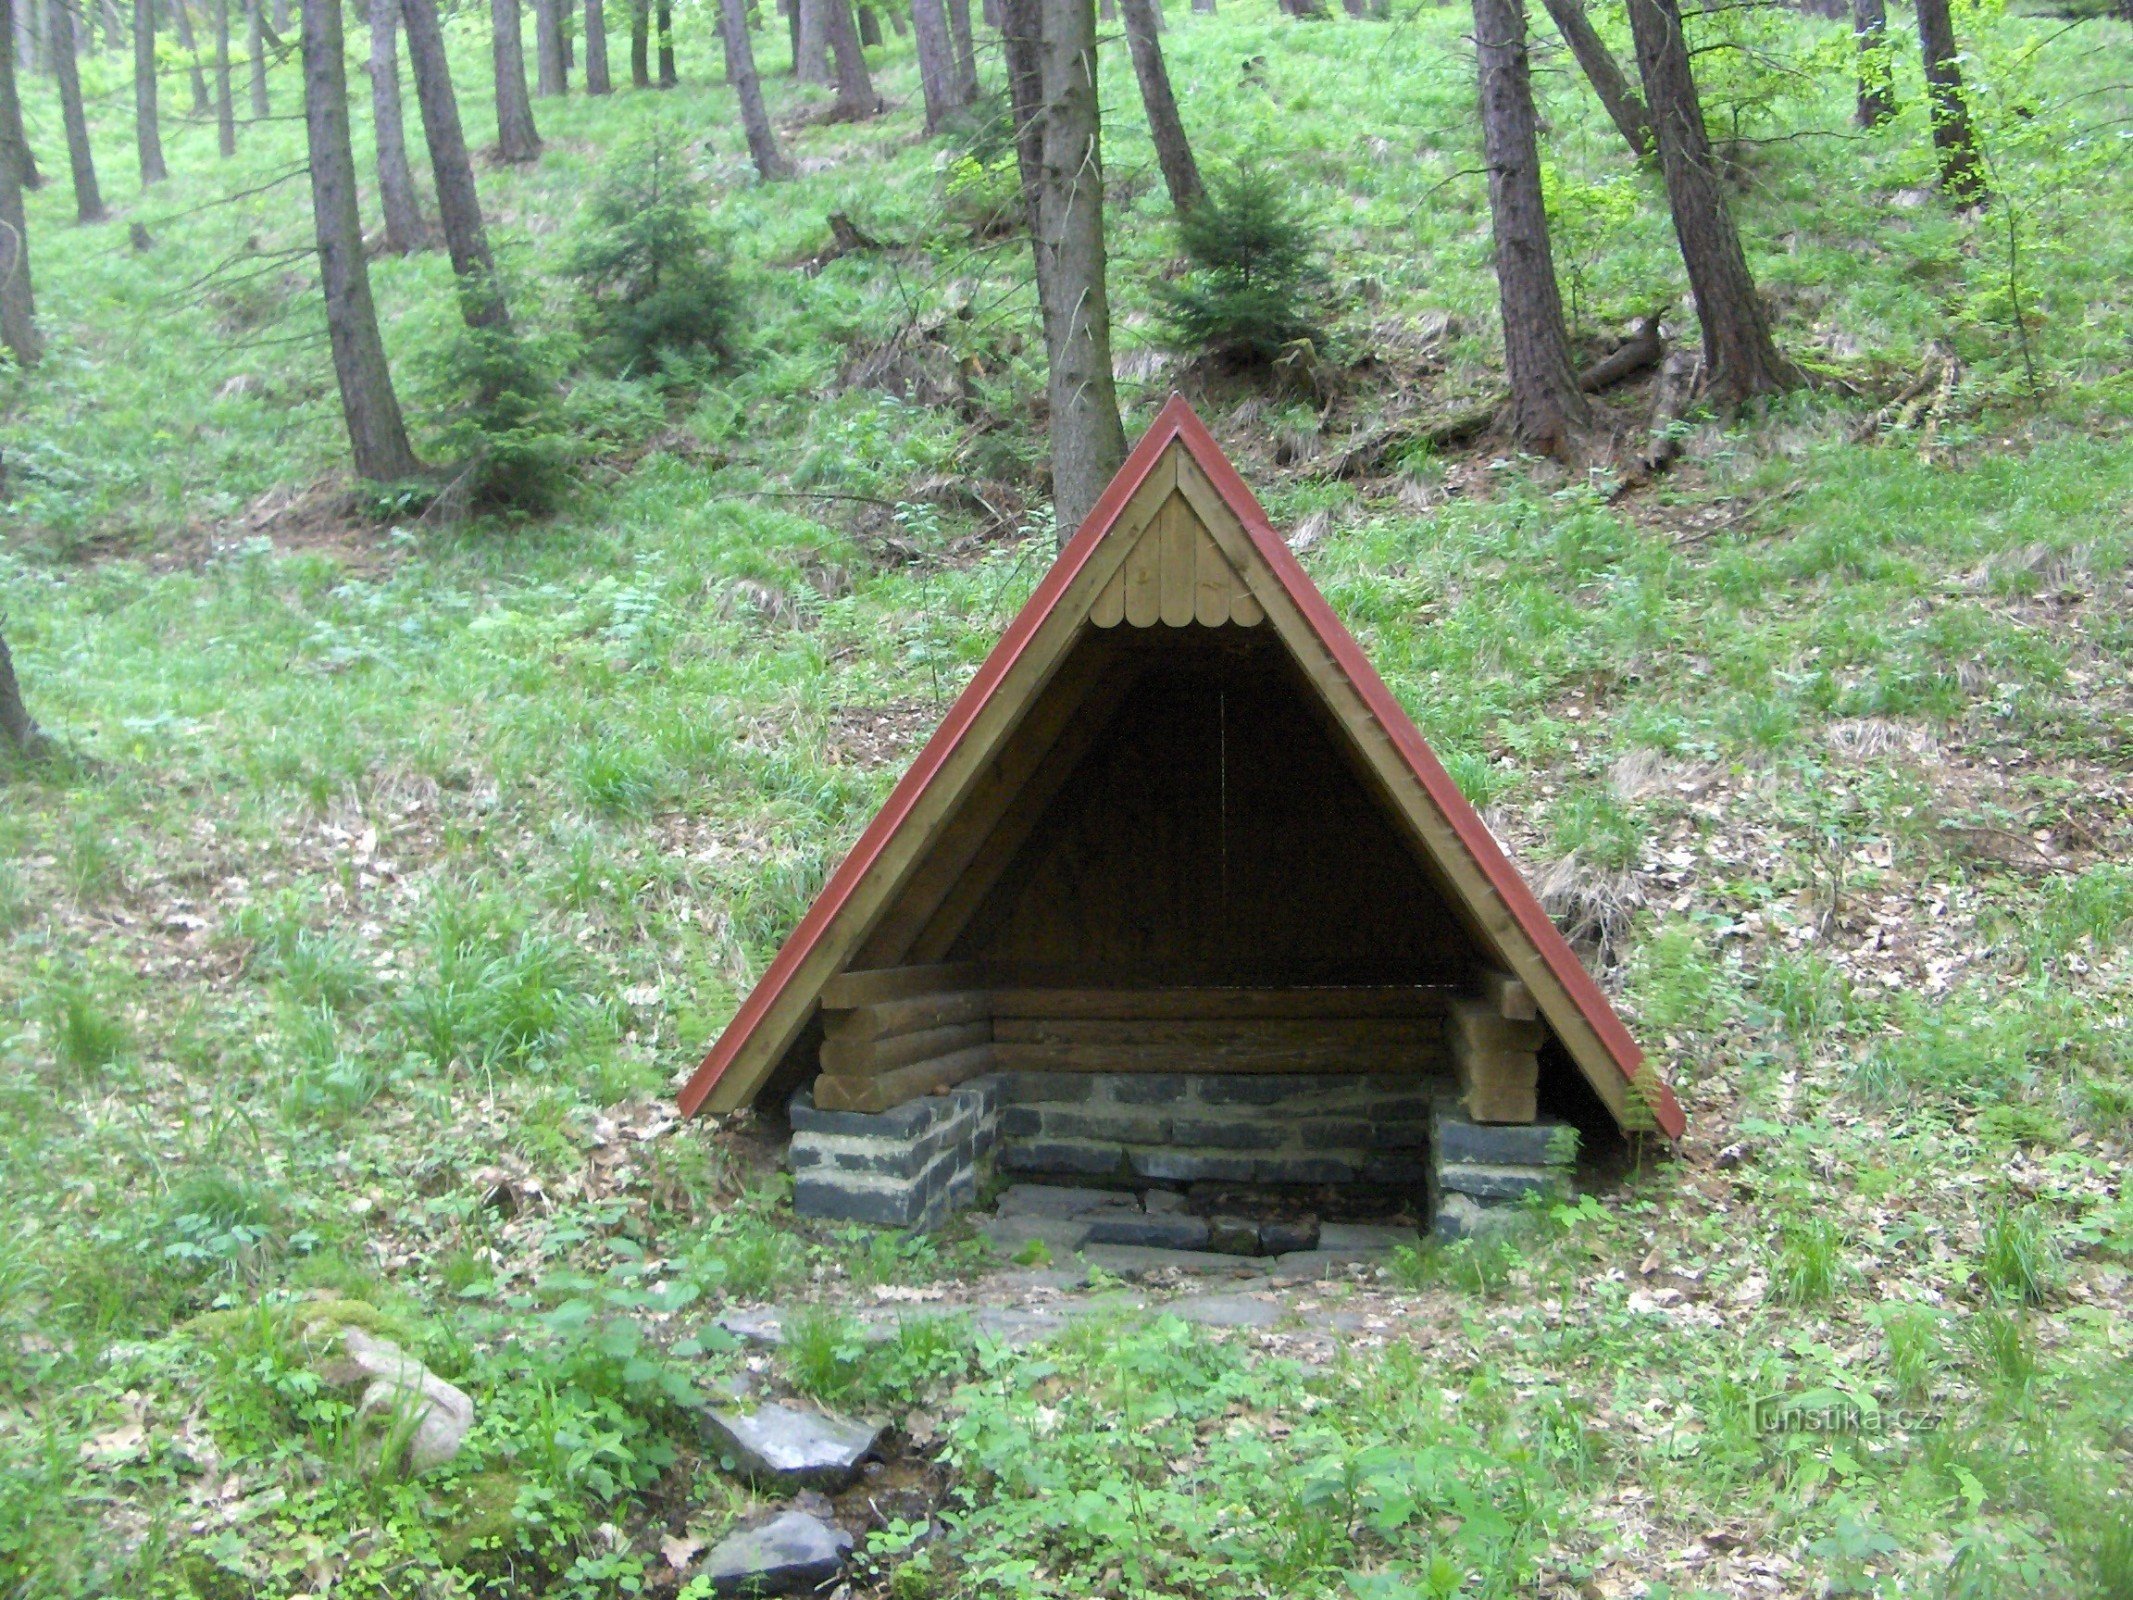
[481,297]
[1204,7]
[966,52]
[201,105]
[897,22]
[376,433]
[404,230]
[256,23]
[1088,440]
[1623,107]
[664,16]
[1021,34]
[567,26]
[1962,170]
[16,725]
[14,143]
[1548,410]
[938,76]
[549,77]
[1740,357]
[281,17]
[516,137]
[88,200]
[1173,152]
[811,63]
[856,99]
[225,106]
[640,44]
[869,29]
[596,79]
[147,132]
[1877,79]
[18,306]
[771,162]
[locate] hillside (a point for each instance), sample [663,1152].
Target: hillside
[391,868]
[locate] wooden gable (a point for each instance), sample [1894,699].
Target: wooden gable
[1046,824]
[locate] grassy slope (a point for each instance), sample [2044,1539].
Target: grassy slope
[399,873]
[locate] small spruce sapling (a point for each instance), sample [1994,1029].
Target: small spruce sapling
[651,265]
[1255,285]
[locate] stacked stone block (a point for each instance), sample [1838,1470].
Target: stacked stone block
[1163,1127]
[909,1167]
[1479,1171]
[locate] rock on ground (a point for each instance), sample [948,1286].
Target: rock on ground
[793,1553]
[412,1418]
[779,1446]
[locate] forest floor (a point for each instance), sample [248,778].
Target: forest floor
[391,874]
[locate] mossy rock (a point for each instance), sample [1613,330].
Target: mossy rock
[206,1578]
[295,1318]
[477,1523]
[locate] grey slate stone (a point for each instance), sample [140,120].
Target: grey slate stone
[1364,1236]
[1059,1088]
[1061,1235]
[1104,1122]
[1403,1169]
[1307,1169]
[791,1554]
[1233,1235]
[1460,1216]
[1230,1132]
[1225,1310]
[1147,1088]
[1057,1155]
[906,1121]
[1281,1238]
[1175,1230]
[1496,1183]
[1057,1200]
[780,1447]
[1193,1166]
[1159,1200]
[1137,1261]
[1264,1088]
[1526,1144]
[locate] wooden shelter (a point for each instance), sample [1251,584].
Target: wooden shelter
[1176,824]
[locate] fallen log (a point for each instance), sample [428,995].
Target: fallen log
[1641,350]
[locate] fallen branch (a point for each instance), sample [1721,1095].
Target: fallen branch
[1633,355]
[1930,391]
[1670,398]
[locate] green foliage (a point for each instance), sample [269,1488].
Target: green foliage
[1254,285]
[2018,1261]
[1808,1265]
[501,395]
[651,266]
[88,1037]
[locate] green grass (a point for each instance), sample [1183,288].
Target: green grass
[391,873]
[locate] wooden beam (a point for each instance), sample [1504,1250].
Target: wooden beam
[1510,998]
[862,1058]
[890,1089]
[1499,1073]
[1127,1005]
[1419,1060]
[889,1018]
[865,988]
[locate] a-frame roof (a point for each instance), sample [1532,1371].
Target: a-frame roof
[1178,457]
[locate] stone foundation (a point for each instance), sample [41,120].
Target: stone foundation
[915,1165]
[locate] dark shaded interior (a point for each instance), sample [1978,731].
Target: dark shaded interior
[1216,834]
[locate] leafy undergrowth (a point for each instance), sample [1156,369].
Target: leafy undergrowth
[390,872]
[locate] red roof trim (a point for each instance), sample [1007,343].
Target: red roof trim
[1178,422]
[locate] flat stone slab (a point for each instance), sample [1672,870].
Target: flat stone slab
[1365,1236]
[1060,1200]
[1225,1310]
[1308,1266]
[1061,1235]
[790,1449]
[1171,1230]
[763,1325]
[793,1553]
[1137,1261]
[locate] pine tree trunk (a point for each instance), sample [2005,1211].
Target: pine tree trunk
[1877,80]
[1088,439]
[549,77]
[596,78]
[790,11]
[183,13]
[568,27]
[14,143]
[16,725]
[1173,151]
[516,137]
[1619,100]
[1962,170]
[1021,28]
[256,23]
[869,29]
[1548,409]
[404,230]
[376,433]
[147,131]
[1740,357]
[811,64]
[88,199]
[1204,7]
[18,305]
[225,106]
[897,22]
[856,99]
[937,72]
[966,52]
[281,18]
[663,18]
[481,296]
[771,162]
[640,44]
